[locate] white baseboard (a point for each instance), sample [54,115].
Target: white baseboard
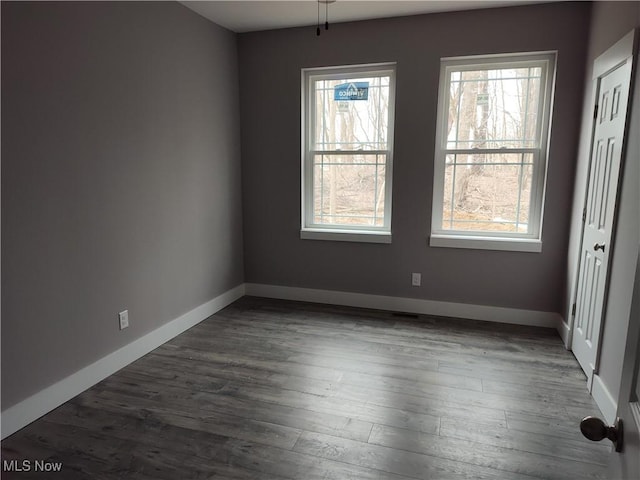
[20,415]
[606,402]
[408,305]
[563,331]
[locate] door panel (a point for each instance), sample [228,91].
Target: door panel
[600,207]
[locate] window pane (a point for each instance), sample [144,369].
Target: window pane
[351,114]
[487,192]
[349,189]
[494,108]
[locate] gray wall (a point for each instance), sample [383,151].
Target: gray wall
[120,178]
[270,64]
[610,22]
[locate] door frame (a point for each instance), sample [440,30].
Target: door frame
[619,53]
[628,410]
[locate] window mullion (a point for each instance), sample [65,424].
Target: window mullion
[375,195]
[488,151]
[453,190]
[526,110]
[321,189]
[520,177]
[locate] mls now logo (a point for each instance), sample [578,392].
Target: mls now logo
[351,91]
[30,466]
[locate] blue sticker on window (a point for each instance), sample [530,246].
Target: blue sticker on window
[351,91]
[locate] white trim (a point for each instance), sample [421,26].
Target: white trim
[308,144]
[408,305]
[486,243]
[564,330]
[634,407]
[474,61]
[606,402]
[20,415]
[364,236]
[546,61]
[615,56]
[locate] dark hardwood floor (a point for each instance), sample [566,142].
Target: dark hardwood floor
[270,389]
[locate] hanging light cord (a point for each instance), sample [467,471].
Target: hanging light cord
[326,16]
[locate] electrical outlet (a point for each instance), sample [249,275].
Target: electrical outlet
[123,317]
[416,279]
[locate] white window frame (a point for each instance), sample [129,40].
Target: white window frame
[349,233]
[531,241]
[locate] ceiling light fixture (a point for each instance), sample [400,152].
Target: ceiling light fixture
[326,15]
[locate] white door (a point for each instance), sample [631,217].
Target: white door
[626,464]
[612,93]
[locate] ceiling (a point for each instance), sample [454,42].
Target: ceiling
[250,15]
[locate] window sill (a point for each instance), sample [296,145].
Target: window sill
[486,243]
[364,236]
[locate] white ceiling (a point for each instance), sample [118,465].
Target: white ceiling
[252,15]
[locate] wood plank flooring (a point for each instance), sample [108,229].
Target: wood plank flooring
[269,389]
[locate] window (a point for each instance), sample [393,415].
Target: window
[491,151]
[347,131]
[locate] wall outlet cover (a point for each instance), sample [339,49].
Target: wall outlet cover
[123,318]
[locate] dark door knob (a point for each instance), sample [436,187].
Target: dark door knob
[595,429]
[599,246]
